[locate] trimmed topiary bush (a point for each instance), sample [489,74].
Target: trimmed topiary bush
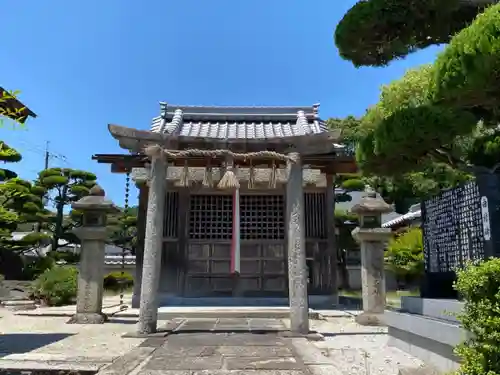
[112,280]
[375,32]
[466,72]
[479,286]
[56,286]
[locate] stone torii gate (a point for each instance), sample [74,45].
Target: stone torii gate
[299,308]
[297,138]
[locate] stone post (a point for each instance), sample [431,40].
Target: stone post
[93,236]
[148,311]
[297,267]
[139,249]
[372,238]
[332,237]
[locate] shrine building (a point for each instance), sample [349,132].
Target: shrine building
[226,194]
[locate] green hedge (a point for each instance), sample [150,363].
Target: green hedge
[479,286]
[56,286]
[112,280]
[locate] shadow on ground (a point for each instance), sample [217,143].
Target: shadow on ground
[15,343]
[121,321]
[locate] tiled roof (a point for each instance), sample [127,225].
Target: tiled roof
[238,122]
[114,260]
[410,216]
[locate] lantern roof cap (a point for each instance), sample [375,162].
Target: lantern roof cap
[95,201]
[371,203]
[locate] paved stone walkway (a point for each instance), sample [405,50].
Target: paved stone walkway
[214,346]
[49,343]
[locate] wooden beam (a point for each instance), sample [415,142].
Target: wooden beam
[327,163]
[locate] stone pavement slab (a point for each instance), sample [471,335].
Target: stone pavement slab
[255,351]
[225,372]
[227,325]
[217,346]
[223,352]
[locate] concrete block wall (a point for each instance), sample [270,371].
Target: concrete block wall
[428,330]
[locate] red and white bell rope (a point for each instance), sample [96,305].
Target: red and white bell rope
[235,243]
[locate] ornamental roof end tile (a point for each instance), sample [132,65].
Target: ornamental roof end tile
[238,122]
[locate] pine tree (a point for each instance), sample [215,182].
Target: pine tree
[63,186]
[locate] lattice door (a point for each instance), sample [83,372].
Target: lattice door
[209,255]
[262,231]
[262,217]
[211,217]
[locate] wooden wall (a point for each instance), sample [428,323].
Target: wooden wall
[197,243]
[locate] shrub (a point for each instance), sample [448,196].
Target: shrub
[479,286]
[35,267]
[405,256]
[56,286]
[112,280]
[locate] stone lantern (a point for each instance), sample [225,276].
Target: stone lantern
[93,235]
[372,239]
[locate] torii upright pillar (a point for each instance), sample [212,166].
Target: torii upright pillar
[148,310]
[297,267]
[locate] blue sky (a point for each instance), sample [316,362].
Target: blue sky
[83,64]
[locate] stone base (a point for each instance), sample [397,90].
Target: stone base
[140,335]
[160,331]
[88,318]
[370,319]
[311,336]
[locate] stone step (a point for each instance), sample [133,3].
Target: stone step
[16,305]
[58,366]
[166,313]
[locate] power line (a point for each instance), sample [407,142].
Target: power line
[47,154]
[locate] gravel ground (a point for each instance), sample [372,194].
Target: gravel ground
[358,350]
[23,337]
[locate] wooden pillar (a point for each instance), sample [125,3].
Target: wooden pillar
[297,267]
[332,238]
[139,248]
[148,311]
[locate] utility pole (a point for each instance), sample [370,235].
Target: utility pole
[47,155]
[46,166]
